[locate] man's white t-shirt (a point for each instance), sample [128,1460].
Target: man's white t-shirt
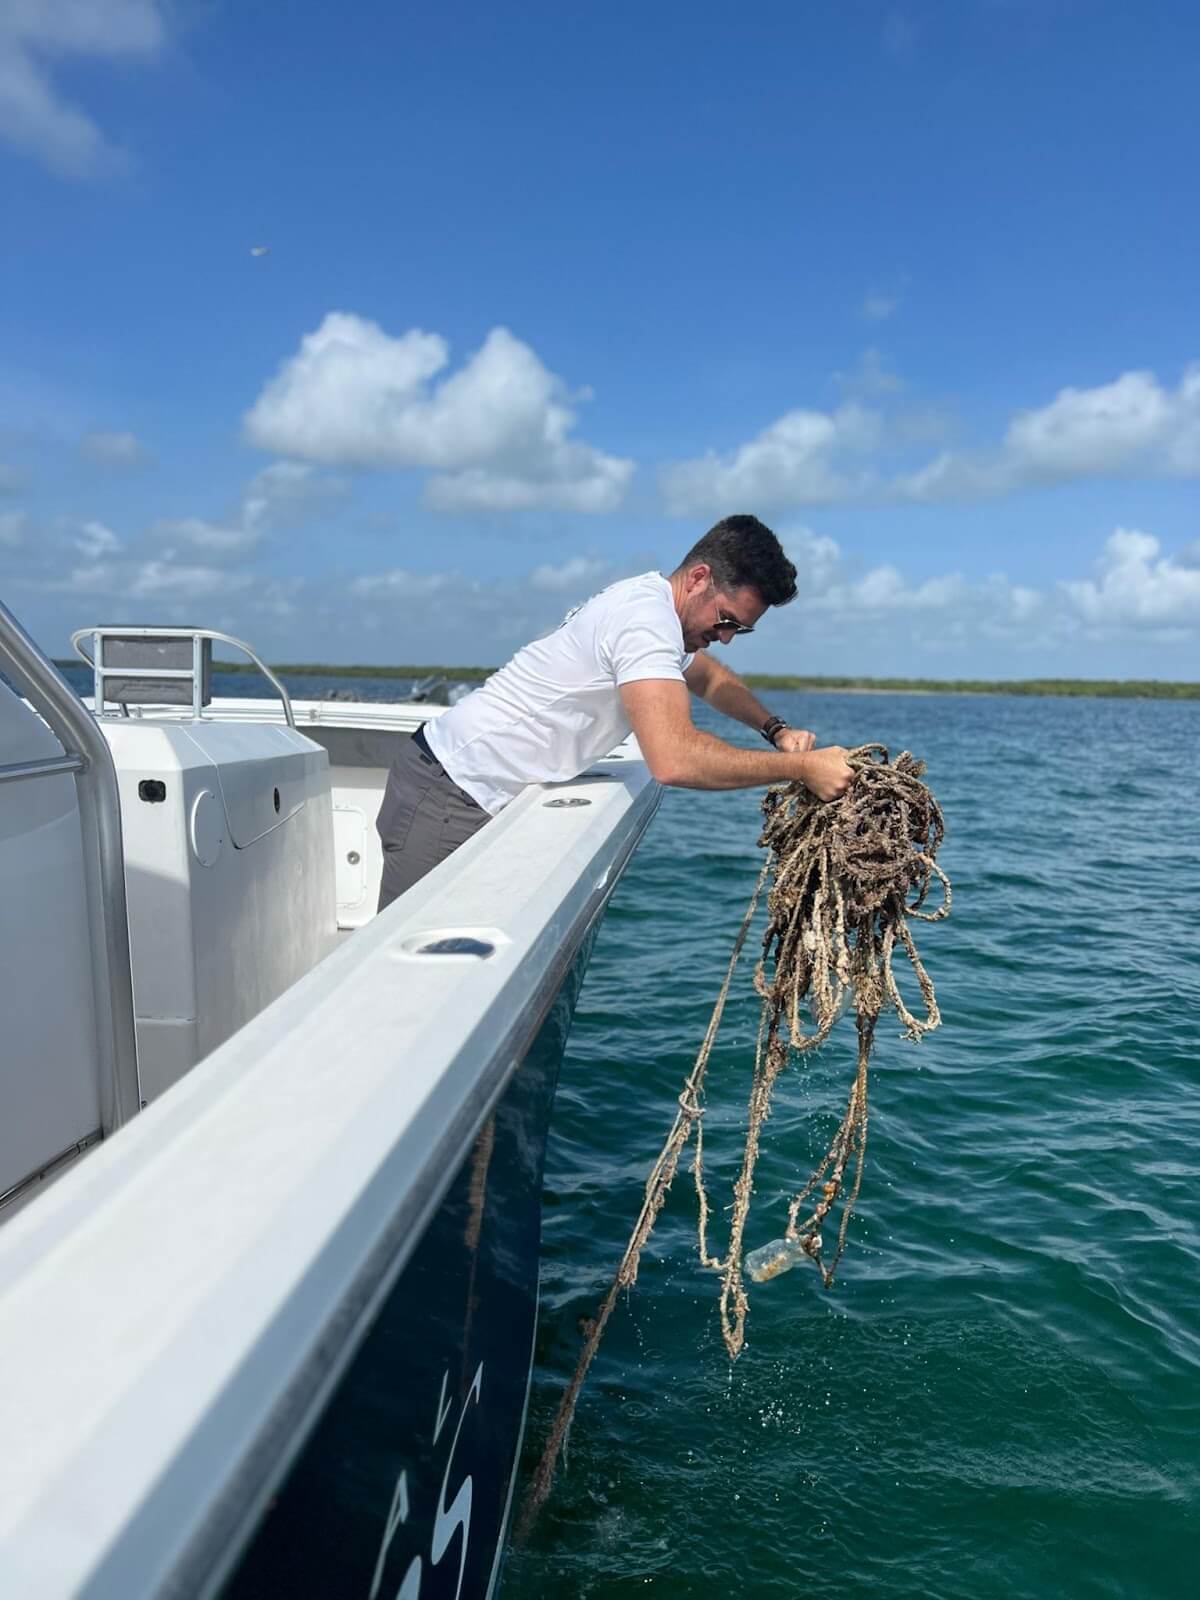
[555,708]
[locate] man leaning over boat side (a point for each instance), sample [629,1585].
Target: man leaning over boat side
[626,658]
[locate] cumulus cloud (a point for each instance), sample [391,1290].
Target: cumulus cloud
[215,537]
[288,493]
[172,581]
[578,573]
[844,606]
[1137,586]
[93,540]
[97,577]
[163,579]
[793,462]
[496,432]
[180,558]
[816,558]
[400,582]
[282,496]
[832,589]
[35,35]
[114,449]
[1133,425]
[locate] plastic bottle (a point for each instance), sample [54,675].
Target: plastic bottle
[781,1255]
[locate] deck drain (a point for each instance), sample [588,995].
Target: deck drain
[561,805]
[458,944]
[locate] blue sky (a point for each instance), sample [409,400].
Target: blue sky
[547,289]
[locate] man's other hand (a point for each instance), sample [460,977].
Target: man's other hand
[826,772]
[797,741]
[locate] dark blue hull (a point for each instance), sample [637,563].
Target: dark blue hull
[403,1486]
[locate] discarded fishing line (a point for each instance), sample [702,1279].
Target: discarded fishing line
[845,878]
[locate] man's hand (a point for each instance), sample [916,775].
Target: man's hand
[826,772]
[795,740]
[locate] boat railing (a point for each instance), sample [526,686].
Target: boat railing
[87,757]
[161,666]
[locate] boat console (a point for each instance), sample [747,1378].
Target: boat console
[228,845]
[229,873]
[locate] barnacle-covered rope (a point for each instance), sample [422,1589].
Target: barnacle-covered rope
[845,879]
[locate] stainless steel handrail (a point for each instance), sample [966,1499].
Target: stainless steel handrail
[104,862]
[49,767]
[155,673]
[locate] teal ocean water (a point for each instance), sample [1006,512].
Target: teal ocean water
[1001,1394]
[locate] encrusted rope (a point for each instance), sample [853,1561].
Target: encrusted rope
[845,878]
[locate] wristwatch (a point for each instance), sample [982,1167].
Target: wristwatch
[771,727]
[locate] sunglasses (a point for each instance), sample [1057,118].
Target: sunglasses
[725,623]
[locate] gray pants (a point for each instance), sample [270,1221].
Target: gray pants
[424,816]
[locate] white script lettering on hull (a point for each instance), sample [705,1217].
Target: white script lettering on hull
[448,1520]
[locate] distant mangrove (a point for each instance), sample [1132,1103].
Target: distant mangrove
[1116,688]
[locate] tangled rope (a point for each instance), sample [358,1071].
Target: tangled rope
[846,877]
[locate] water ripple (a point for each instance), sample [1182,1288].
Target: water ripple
[1000,1396]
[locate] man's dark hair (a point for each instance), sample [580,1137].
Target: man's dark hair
[743,553]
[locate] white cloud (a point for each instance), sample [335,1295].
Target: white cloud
[156,580]
[166,580]
[579,479]
[1183,446]
[1132,425]
[94,540]
[412,585]
[1091,432]
[816,558]
[791,463]
[99,577]
[114,449]
[12,527]
[952,476]
[831,592]
[282,495]
[280,598]
[1136,586]
[288,493]
[203,535]
[578,573]
[497,430]
[34,116]
[884,589]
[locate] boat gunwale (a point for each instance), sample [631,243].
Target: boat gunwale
[103,1184]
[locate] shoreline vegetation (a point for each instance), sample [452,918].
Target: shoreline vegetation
[1115,688]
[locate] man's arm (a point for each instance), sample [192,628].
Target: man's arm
[708,680]
[680,754]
